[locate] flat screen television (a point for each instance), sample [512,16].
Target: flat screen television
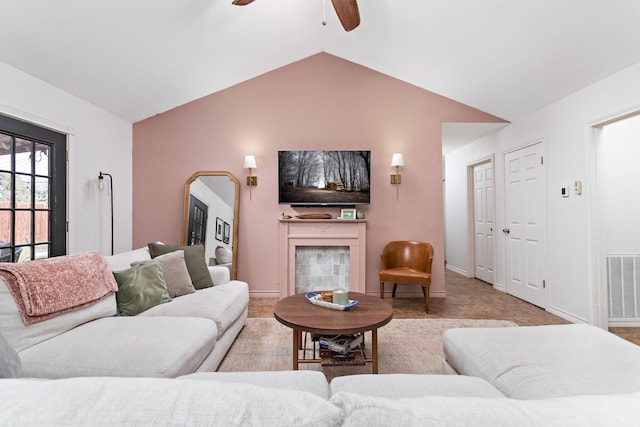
[324,178]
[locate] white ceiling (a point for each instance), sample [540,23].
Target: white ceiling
[137,58]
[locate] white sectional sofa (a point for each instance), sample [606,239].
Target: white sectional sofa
[565,375]
[300,398]
[558,375]
[190,333]
[540,362]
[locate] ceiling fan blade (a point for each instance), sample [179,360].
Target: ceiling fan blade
[348,13]
[241,2]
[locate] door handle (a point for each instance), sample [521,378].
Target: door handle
[506,231]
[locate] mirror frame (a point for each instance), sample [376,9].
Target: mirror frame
[236,211]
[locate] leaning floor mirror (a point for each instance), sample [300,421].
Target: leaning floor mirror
[211,216]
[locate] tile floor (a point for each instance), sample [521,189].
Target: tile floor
[466,299]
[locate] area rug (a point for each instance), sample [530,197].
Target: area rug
[408,346]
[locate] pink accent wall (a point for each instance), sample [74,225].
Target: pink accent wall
[321,102]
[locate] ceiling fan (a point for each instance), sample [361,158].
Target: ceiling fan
[347,11]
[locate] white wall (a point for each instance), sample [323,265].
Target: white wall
[565,129]
[99,141]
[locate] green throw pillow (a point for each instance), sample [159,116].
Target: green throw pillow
[194,257]
[140,288]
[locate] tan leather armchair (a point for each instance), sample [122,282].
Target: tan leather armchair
[407,262]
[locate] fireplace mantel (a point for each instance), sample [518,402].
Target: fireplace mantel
[322,232]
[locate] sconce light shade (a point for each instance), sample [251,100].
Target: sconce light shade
[250,162]
[397,160]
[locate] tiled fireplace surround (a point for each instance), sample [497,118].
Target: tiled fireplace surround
[322,254]
[321,267]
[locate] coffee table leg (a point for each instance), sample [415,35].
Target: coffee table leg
[374,350]
[296,346]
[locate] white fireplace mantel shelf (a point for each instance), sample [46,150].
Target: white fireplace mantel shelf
[322,232]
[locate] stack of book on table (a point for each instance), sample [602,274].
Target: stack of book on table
[341,350]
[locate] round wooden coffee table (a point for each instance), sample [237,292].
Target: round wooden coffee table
[368,315]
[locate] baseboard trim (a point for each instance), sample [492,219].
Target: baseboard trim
[623,324]
[264,294]
[567,316]
[399,294]
[409,294]
[456,270]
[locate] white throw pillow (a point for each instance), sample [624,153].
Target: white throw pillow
[223,255]
[174,270]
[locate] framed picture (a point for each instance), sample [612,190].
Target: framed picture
[219,227]
[347,214]
[227,233]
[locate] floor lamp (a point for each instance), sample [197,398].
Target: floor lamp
[101,187]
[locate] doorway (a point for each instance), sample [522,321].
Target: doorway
[617,148]
[525,219]
[33,191]
[197,227]
[484,221]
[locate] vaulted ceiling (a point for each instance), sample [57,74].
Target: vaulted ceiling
[137,58]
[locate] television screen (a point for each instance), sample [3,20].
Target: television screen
[324,178]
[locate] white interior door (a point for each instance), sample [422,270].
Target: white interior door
[525,223]
[484,219]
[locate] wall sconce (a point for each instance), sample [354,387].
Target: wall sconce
[250,163]
[397,161]
[396,178]
[101,187]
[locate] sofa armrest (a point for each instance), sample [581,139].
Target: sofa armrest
[220,274]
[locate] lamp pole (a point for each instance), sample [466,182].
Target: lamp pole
[101,186]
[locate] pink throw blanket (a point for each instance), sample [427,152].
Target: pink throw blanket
[46,288]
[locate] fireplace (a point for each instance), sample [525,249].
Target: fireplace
[322,254]
[321,267]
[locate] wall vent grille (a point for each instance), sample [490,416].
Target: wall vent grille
[623,282]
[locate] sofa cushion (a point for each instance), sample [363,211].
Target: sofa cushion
[123,260]
[10,365]
[577,411]
[219,274]
[194,257]
[308,381]
[534,362]
[397,386]
[223,255]
[139,288]
[21,336]
[222,304]
[124,346]
[174,271]
[158,402]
